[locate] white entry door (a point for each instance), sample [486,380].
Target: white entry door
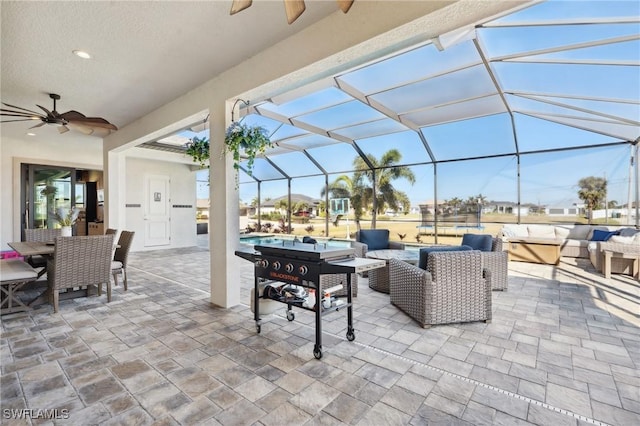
[157,217]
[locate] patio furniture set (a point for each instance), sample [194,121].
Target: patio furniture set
[74,267]
[449,284]
[438,284]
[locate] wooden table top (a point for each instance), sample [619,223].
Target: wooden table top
[32,248]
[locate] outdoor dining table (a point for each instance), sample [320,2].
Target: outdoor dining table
[46,249]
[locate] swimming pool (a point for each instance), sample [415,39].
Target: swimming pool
[273,239]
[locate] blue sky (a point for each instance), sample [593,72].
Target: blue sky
[586,96]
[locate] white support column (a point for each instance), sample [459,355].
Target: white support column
[224,229]
[114,175]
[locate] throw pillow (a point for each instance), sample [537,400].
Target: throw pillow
[622,239]
[628,232]
[599,235]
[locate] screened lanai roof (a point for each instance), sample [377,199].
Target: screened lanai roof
[556,75]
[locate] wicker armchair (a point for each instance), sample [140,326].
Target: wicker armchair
[497,262]
[494,258]
[454,288]
[121,256]
[41,235]
[79,262]
[375,239]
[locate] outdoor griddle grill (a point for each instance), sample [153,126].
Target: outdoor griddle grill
[297,263]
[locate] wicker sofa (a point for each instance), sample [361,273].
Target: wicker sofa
[577,240]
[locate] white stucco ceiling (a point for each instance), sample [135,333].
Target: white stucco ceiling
[145,53]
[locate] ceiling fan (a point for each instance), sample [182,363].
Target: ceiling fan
[68,120]
[293,8]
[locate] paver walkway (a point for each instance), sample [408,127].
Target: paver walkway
[563,348]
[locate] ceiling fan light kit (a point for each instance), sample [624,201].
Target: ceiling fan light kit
[293,8]
[68,120]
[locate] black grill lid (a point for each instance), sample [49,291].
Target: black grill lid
[304,251]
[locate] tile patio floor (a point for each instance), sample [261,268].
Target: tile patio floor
[563,349]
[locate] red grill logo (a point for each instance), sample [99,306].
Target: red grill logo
[278,276]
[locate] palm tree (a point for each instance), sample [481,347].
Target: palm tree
[381,177]
[592,191]
[455,202]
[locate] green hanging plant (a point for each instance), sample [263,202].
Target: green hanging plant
[198,149]
[251,140]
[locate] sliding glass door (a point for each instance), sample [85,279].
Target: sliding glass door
[44,190]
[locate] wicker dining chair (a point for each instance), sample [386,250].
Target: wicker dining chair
[111,231]
[121,256]
[80,262]
[41,235]
[454,288]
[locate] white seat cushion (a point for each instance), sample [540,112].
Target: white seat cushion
[16,269]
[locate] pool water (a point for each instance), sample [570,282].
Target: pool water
[271,239]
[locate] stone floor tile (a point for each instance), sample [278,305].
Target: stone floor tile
[614,415]
[445,405]
[403,400]
[378,375]
[199,411]
[99,390]
[286,414]
[385,415]
[91,415]
[428,415]
[120,403]
[568,399]
[135,416]
[255,389]
[241,413]
[224,397]
[479,414]
[347,409]
[315,397]
[500,380]
[273,399]
[501,402]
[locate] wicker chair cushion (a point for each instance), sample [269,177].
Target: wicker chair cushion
[480,242]
[424,253]
[375,239]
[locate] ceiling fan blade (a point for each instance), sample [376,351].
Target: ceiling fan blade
[38,125]
[22,119]
[63,129]
[78,118]
[239,5]
[24,109]
[294,9]
[94,122]
[72,115]
[80,127]
[49,113]
[9,113]
[345,5]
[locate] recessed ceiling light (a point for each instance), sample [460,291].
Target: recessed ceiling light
[82,54]
[31,134]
